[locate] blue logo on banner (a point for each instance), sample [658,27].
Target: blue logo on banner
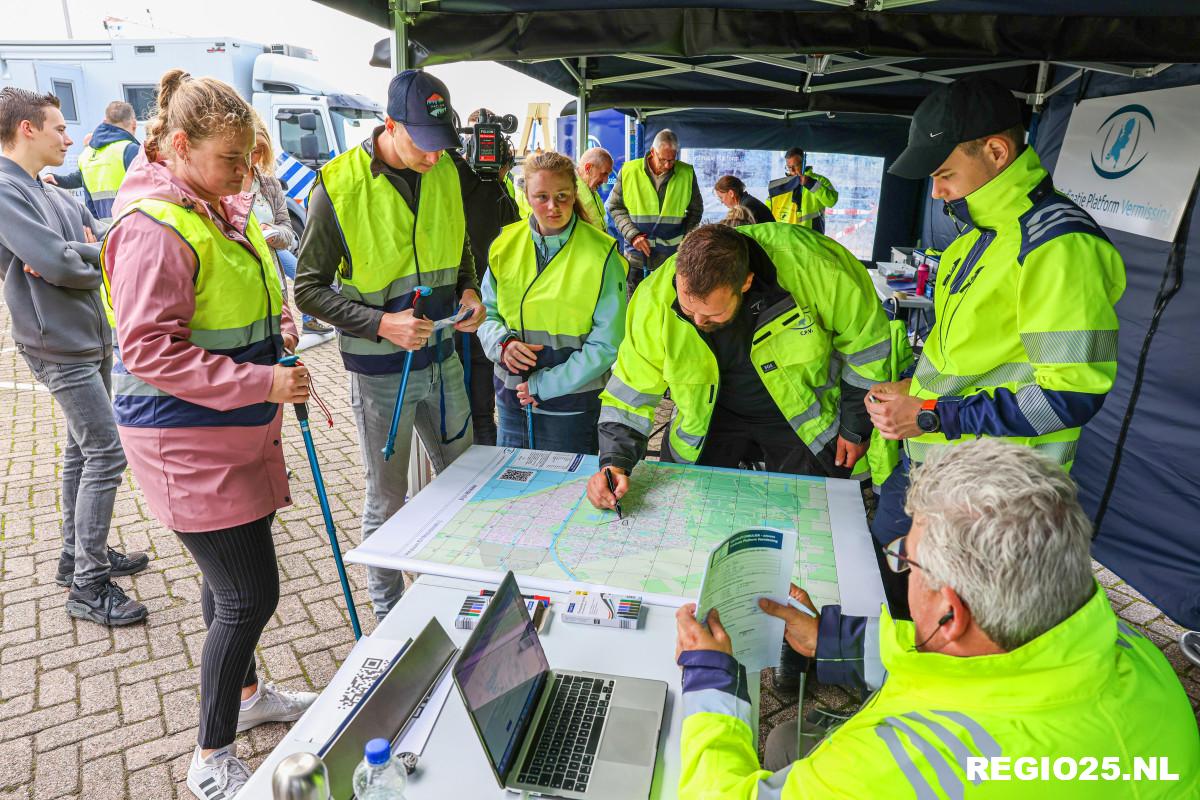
[1122,141]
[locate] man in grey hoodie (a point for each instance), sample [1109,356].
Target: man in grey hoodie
[51,287]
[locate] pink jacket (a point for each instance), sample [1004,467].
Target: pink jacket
[194,479]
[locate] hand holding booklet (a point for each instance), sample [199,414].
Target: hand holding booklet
[747,566]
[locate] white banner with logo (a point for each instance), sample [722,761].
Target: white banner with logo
[1130,160]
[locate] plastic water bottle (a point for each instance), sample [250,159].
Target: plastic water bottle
[379,776]
[922,277]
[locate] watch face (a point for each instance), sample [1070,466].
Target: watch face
[928,421]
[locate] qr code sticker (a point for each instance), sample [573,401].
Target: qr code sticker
[361,683]
[517,475]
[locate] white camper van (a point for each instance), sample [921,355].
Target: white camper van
[310,119]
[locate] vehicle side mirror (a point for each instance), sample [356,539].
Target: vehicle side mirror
[308,121]
[308,147]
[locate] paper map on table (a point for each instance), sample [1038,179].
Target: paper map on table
[497,509]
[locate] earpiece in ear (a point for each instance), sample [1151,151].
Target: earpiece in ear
[949,615]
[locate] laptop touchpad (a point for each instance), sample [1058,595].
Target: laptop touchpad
[630,736]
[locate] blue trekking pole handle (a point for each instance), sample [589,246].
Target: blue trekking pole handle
[389,447]
[319,482]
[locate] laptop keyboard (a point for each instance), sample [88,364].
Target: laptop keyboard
[566,743]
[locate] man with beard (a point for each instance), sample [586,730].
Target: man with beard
[767,337]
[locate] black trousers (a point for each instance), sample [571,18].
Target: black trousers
[481,394]
[733,440]
[239,593]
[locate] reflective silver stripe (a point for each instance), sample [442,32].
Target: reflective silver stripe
[1129,630]
[654,219]
[823,438]
[1037,409]
[1062,452]
[854,379]
[807,415]
[676,456]
[229,338]
[873,670]
[630,396]
[627,418]
[129,385]
[715,701]
[400,286]
[771,787]
[1071,347]
[984,743]
[556,341]
[509,380]
[366,347]
[946,383]
[689,439]
[868,354]
[594,385]
[1122,643]
[920,787]
[953,744]
[102,195]
[807,217]
[950,782]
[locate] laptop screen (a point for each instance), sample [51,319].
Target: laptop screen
[500,672]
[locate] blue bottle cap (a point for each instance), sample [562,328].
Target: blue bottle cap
[378,751]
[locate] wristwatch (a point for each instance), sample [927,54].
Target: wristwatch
[927,418]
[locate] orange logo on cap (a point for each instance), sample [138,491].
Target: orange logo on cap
[435,105]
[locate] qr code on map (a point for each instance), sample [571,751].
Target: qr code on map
[517,475]
[362,682]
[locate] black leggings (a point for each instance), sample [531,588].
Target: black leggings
[239,594]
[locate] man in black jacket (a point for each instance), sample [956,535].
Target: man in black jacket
[488,208]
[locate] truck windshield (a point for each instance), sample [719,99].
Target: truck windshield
[352,125]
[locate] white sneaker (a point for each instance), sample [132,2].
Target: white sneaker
[219,777]
[274,705]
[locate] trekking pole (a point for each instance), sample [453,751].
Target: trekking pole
[323,499]
[389,447]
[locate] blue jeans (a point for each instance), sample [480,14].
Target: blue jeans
[93,460]
[562,433]
[372,399]
[287,260]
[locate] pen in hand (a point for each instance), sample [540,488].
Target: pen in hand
[612,487]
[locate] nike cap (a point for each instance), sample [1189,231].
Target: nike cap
[968,109]
[421,103]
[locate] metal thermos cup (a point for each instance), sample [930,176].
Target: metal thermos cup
[300,776]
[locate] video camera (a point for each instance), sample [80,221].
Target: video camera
[485,147]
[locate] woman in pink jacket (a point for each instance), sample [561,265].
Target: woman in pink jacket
[198,394]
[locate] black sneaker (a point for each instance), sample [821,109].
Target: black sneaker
[105,603]
[312,326]
[786,680]
[119,563]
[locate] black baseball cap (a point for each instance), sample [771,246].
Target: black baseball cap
[969,108]
[421,103]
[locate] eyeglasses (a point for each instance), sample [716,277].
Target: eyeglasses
[896,560]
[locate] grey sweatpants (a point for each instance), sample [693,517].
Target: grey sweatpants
[373,398]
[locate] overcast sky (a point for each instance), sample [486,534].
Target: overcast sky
[342,43]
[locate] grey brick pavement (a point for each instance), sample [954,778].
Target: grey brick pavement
[88,712]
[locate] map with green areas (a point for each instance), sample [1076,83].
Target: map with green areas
[528,512]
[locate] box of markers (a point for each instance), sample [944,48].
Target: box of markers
[473,606]
[610,610]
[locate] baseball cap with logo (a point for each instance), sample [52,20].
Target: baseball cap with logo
[967,109]
[421,103]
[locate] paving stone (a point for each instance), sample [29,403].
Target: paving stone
[121,738]
[98,693]
[1140,613]
[57,773]
[140,701]
[104,778]
[16,762]
[75,730]
[19,677]
[54,687]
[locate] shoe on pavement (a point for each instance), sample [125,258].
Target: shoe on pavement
[312,326]
[120,565]
[1189,643]
[274,705]
[106,603]
[220,776]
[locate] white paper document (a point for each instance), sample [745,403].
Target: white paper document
[749,565]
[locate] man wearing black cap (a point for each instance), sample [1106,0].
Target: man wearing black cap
[384,218]
[1025,343]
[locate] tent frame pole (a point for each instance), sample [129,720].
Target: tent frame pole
[581,112]
[399,11]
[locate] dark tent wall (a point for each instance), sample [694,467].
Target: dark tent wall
[900,200]
[1150,534]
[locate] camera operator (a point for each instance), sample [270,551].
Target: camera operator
[488,208]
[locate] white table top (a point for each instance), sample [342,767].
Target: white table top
[453,764]
[886,292]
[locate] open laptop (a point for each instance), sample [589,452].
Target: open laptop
[554,732]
